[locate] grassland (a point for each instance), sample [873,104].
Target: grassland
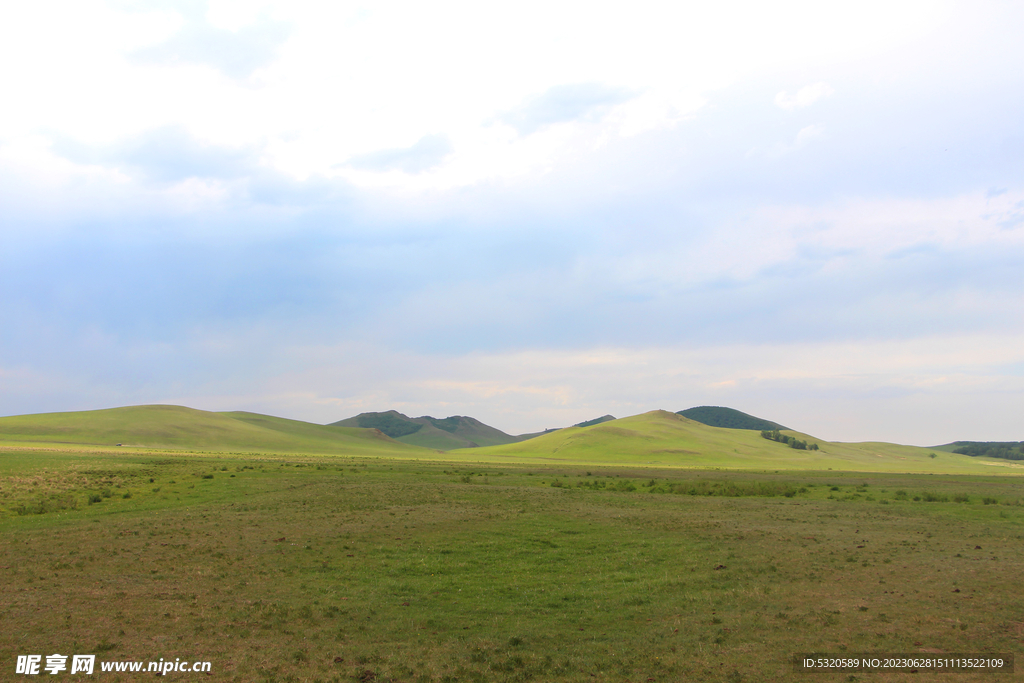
[650,548]
[164,426]
[664,439]
[331,568]
[656,439]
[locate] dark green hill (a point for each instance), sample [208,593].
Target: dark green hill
[449,433]
[729,418]
[392,423]
[1007,450]
[595,421]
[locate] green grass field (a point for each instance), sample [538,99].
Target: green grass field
[356,569]
[416,566]
[664,439]
[183,428]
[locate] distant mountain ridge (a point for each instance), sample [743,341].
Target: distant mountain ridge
[449,433]
[729,418]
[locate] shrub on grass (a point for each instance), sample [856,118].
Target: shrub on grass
[730,489]
[104,646]
[45,505]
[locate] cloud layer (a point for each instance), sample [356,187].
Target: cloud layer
[817,217]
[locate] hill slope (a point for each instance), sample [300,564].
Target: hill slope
[445,434]
[164,426]
[1007,450]
[728,418]
[667,439]
[595,421]
[658,438]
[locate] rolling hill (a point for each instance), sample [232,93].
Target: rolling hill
[444,434]
[165,426]
[1007,450]
[595,421]
[664,439]
[658,438]
[586,423]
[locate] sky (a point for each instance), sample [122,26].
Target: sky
[530,213]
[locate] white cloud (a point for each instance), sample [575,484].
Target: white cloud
[350,179]
[832,235]
[429,151]
[327,82]
[804,97]
[565,103]
[809,134]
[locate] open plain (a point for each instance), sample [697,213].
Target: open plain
[434,567]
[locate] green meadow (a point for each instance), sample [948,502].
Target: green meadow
[570,561]
[664,439]
[178,427]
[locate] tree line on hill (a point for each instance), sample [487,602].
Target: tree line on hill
[729,418]
[792,442]
[1007,450]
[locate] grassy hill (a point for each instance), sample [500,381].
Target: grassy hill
[658,438]
[595,421]
[163,426]
[667,439]
[1006,450]
[444,434]
[531,435]
[729,418]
